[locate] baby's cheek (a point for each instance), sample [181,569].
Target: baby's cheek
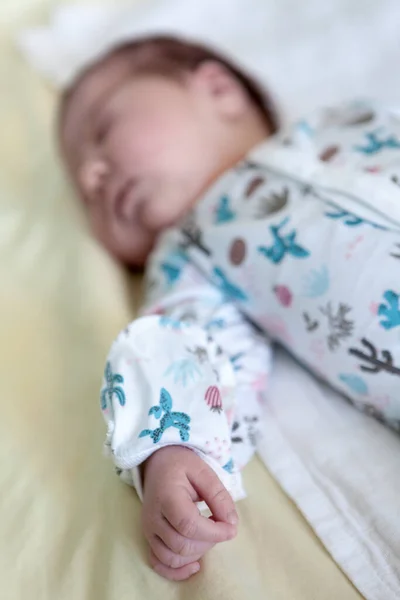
[166,206]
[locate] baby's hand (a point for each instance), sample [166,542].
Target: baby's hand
[174,479]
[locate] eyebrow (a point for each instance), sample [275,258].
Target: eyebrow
[99,102]
[97,106]
[91,111]
[81,130]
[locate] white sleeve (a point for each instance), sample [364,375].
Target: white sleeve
[178,378]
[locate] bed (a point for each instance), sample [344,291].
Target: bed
[69,527]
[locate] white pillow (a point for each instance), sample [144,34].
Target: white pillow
[308,53]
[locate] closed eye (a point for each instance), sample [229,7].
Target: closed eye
[102,130]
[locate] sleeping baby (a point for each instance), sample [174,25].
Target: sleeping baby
[249,233]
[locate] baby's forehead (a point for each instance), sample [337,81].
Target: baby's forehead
[78,105]
[90,90]
[96,79]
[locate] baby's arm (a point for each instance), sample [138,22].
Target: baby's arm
[178,389]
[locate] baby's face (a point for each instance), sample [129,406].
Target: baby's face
[141,149]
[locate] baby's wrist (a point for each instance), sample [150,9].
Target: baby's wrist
[167,456]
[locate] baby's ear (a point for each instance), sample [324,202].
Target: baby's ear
[222,88]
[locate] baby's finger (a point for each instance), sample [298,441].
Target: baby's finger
[169,558]
[214,493]
[178,543]
[184,516]
[173,574]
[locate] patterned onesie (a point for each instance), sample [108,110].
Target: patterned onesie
[299,243]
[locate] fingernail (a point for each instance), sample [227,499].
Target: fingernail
[195,569]
[233,518]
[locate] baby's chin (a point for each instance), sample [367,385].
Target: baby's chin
[132,255]
[162,221]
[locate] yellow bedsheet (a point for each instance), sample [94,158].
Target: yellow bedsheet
[69,529]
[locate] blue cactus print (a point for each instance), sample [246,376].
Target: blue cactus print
[169,322]
[216,324]
[348,218]
[235,361]
[376,143]
[173,267]
[224,213]
[111,389]
[184,371]
[316,283]
[355,383]
[230,290]
[229,466]
[390,311]
[283,245]
[179,420]
[304,127]
[171,272]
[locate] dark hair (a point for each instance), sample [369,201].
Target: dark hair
[171,56]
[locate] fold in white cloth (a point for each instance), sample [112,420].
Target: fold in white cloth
[341,468]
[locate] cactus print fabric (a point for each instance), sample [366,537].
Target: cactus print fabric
[299,242]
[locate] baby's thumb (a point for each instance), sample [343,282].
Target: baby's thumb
[210,489]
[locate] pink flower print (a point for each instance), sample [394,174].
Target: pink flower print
[373,308]
[352,246]
[213,399]
[260,383]
[275,326]
[219,449]
[374,169]
[284,295]
[230,413]
[154,310]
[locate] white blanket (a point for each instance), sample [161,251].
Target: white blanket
[342,470]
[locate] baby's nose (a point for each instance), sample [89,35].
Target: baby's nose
[93,176]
